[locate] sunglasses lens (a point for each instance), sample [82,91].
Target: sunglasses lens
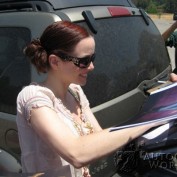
[79,62]
[85,62]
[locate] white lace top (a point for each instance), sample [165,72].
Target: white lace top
[36,156]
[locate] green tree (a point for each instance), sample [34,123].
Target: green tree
[152,8]
[171,6]
[143,3]
[157,6]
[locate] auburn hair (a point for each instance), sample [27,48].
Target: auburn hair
[60,36]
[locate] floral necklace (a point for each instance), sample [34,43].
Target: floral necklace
[85,128]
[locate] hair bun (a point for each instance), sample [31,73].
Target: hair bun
[37,55]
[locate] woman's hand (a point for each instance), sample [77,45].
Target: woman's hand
[173,77]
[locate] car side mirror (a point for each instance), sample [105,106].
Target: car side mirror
[175,16]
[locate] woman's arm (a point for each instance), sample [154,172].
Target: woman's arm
[82,150]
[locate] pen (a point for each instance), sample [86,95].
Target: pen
[162,82]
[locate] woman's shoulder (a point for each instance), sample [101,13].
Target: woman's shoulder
[34,89]
[29,88]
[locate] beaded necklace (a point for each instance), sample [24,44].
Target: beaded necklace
[85,125]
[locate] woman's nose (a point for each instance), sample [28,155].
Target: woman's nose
[91,66]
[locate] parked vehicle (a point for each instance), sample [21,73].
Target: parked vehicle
[130,58]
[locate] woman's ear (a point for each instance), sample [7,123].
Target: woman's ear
[53,61]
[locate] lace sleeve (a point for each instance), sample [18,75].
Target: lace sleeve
[33,97]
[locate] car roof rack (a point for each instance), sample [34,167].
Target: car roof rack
[52,5]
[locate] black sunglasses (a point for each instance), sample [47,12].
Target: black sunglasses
[79,62]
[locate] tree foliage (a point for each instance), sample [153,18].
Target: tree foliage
[171,6]
[157,6]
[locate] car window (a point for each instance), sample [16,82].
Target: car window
[128,51]
[14,69]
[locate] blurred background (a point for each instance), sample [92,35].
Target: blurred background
[158,7]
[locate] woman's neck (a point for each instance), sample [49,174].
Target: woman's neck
[59,88]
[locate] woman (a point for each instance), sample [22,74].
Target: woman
[55,123]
